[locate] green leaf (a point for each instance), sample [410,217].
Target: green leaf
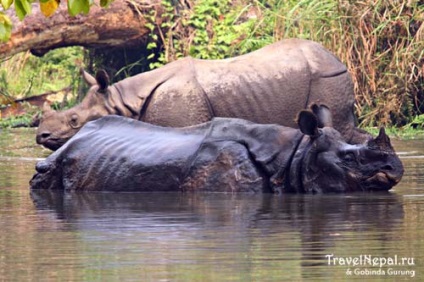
[149,26]
[4,19]
[152,45]
[105,3]
[78,6]
[166,24]
[23,8]
[6,3]
[3,33]
[5,27]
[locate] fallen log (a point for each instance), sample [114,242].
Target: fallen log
[19,107]
[122,24]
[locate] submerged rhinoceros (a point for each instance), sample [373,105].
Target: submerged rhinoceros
[270,85]
[223,155]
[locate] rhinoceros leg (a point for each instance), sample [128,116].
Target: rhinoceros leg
[177,102]
[224,167]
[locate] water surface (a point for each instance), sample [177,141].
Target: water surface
[47,235]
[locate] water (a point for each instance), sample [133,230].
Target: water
[49,236]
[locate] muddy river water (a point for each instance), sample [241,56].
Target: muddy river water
[50,236]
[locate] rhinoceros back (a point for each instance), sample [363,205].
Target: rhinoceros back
[272,84]
[123,154]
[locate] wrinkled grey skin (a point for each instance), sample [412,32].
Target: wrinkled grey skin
[224,155]
[270,85]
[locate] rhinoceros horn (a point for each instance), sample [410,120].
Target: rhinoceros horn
[381,142]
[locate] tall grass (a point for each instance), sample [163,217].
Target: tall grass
[384,46]
[381,42]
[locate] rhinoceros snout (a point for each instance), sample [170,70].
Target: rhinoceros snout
[49,140]
[393,170]
[42,137]
[43,166]
[44,177]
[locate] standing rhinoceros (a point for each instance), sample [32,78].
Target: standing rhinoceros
[269,85]
[225,155]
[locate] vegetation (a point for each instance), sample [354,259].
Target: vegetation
[381,42]
[407,132]
[17,121]
[24,75]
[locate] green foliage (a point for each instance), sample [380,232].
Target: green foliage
[17,121]
[213,21]
[105,3]
[208,31]
[25,75]
[22,8]
[403,133]
[219,29]
[154,42]
[6,3]
[417,122]
[5,27]
[78,6]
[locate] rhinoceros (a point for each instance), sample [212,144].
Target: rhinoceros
[270,85]
[115,153]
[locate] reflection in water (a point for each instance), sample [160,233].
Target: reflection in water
[253,234]
[47,235]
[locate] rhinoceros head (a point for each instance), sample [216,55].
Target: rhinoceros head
[324,162]
[56,127]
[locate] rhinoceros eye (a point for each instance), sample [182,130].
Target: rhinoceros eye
[349,157]
[73,122]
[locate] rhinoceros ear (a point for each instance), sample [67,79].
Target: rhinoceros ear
[323,114]
[102,79]
[308,123]
[88,78]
